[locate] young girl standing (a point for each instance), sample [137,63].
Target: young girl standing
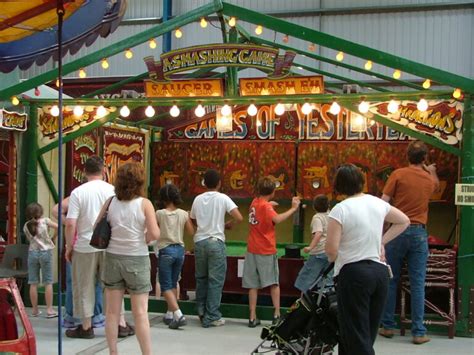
[172,221]
[40,257]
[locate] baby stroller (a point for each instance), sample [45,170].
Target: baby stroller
[310,327]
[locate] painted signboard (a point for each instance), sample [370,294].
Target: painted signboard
[184,88]
[299,85]
[14,121]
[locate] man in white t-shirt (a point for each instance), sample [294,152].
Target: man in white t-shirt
[85,203]
[208,214]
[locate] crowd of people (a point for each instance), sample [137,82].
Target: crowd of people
[366,237]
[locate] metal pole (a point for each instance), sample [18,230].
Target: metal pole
[167,13]
[60,12]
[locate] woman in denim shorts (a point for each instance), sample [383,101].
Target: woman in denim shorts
[127,262]
[172,221]
[40,257]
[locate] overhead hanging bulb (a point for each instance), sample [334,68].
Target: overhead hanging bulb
[37,92]
[178,33]
[101,111]
[258,123]
[422,105]
[285,39]
[124,111]
[280,109]
[174,111]
[203,23]
[199,111]
[57,83]
[152,43]
[105,63]
[392,106]
[82,74]
[427,84]
[128,54]
[54,111]
[335,108]
[364,107]
[78,111]
[340,56]
[252,110]
[258,30]
[397,74]
[149,111]
[232,21]
[15,101]
[312,47]
[226,110]
[457,93]
[307,108]
[368,65]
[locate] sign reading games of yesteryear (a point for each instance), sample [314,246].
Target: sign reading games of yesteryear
[300,85]
[184,88]
[13,120]
[217,55]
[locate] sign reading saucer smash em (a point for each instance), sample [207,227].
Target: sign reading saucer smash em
[218,55]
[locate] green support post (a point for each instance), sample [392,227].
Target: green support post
[232,87]
[465,321]
[48,177]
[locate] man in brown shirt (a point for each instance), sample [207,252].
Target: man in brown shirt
[410,189]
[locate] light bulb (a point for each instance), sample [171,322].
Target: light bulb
[364,107]
[258,30]
[54,111]
[340,56]
[312,47]
[152,43]
[285,39]
[199,111]
[280,109]
[78,111]
[335,108]
[15,101]
[306,108]
[174,111]
[203,23]
[149,111]
[392,106]
[101,111]
[427,84]
[457,93]
[57,83]
[259,123]
[105,63]
[397,74]
[226,110]
[124,111]
[252,110]
[422,105]
[82,74]
[128,54]
[178,33]
[368,65]
[232,22]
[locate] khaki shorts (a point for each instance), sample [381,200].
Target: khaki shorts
[260,271]
[127,272]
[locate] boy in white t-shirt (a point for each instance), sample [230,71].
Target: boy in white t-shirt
[317,259]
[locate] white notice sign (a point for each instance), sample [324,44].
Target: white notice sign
[240,267]
[464,194]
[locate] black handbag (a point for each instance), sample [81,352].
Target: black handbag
[102,231]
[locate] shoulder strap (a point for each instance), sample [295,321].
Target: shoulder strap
[108,204]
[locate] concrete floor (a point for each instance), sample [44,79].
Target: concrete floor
[233,338]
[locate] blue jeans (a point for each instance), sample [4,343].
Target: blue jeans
[170,263]
[68,317]
[40,260]
[412,244]
[211,267]
[310,271]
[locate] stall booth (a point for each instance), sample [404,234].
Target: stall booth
[298,129]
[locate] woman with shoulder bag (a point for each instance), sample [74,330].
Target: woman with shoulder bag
[127,264]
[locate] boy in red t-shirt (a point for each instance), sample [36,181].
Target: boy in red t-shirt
[261,264]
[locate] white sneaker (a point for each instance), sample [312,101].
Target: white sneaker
[218,323]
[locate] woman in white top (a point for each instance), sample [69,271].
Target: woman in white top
[355,244]
[127,263]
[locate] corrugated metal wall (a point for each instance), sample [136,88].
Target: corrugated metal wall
[443,39]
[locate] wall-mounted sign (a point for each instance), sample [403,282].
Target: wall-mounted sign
[464,195]
[184,88]
[83,148]
[217,55]
[13,120]
[442,119]
[300,85]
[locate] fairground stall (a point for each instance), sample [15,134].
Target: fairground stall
[298,129]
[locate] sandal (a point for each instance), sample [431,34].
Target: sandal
[36,314]
[52,315]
